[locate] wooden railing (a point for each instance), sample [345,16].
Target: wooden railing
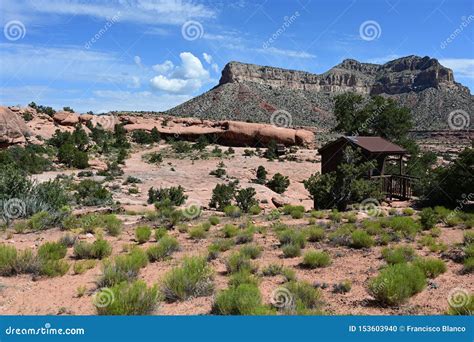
[397,186]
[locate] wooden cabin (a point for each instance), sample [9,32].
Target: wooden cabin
[372,148]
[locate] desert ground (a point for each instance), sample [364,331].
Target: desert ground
[32,295]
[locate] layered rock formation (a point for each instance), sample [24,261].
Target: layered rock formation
[14,130]
[248,92]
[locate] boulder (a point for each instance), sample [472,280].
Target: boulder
[13,129]
[85,117]
[66,118]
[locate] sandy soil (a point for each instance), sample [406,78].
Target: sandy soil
[24,295]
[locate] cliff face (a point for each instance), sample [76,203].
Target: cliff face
[398,76]
[250,92]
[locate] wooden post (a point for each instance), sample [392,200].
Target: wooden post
[401,164]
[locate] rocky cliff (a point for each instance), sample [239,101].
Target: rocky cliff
[249,92]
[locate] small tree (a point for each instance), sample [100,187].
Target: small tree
[279,183]
[155,135]
[68,109]
[245,199]
[271,152]
[174,194]
[261,175]
[222,196]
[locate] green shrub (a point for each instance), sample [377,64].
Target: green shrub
[373,227]
[52,251]
[142,137]
[251,251]
[314,259]
[193,279]
[335,216]
[408,211]
[296,214]
[174,194]
[232,211]
[468,266]
[82,266]
[92,193]
[361,239]
[272,270]
[237,262]
[99,249]
[428,218]
[223,245]
[244,299]
[291,250]
[245,236]
[396,283]
[468,237]
[342,236]
[53,268]
[166,246]
[160,232]
[431,267]
[41,220]
[402,224]
[127,299]
[304,295]
[342,287]
[214,220]
[123,268]
[112,224]
[243,277]
[197,233]
[255,210]
[142,234]
[314,233]
[278,183]
[8,257]
[229,230]
[317,214]
[398,255]
[292,236]
[288,209]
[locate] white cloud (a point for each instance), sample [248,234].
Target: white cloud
[207,58]
[138,61]
[154,12]
[462,67]
[186,78]
[191,67]
[215,67]
[164,67]
[135,82]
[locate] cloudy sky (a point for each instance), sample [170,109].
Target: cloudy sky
[155,54]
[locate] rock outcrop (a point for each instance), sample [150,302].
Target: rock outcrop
[13,129]
[248,92]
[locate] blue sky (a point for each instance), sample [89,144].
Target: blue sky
[155,54]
